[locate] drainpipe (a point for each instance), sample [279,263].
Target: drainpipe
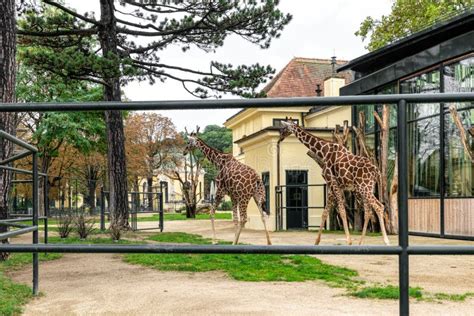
[277,215]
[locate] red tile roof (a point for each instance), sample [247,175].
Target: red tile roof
[300,77]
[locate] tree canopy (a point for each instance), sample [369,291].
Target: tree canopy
[143,30]
[406,17]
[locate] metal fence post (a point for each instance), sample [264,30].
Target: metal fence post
[102,209]
[161,212]
[46,208]
[403,259]
[35,223]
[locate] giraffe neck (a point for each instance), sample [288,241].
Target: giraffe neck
[212,154]
[313,143]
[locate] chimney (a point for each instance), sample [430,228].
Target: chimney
[333,65]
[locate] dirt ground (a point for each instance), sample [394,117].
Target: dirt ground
[90,284]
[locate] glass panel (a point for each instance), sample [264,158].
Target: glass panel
[459,77]
[459,175]
[425,83]
[369,116]
[424,157]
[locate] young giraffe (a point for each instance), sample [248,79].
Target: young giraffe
[238,181]
[341,170]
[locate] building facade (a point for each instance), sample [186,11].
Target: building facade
[293,181]
[439,59]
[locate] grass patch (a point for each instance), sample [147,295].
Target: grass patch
[385,292]
[182,217]
[453,297]
[95,240]
[244,267]
[13,296]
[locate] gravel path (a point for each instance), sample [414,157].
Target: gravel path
[101,284]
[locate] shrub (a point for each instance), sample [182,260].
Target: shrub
[115,232]
[84,225]
[226,205]
[65,225]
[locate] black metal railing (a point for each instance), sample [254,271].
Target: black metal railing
[139,203]
[283,209]
[403,250]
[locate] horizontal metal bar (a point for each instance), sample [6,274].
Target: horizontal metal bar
[13,224]
[25,219]
[23,154]
[22,170]
[17,232]
[235,103]
[440,250]
[209,249]
[22,181]
[14,139]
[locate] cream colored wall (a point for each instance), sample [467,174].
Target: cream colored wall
[329,118]
[260,153]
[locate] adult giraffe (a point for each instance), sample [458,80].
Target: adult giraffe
[342,170]
[235,179]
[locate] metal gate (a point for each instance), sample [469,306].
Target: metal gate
[139,203]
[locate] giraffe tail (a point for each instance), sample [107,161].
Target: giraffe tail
[263,199]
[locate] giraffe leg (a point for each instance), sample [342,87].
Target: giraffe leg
[264,216]
[264,220]
[212,212]
[324,217]
[366,222]
[242,219]
[341,209]
[378,207]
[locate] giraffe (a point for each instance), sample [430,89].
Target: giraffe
[235,179]
[342,170]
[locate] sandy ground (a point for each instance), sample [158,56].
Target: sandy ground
[88,284]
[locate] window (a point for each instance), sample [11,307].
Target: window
[277,121]
[459,170]
[423,164]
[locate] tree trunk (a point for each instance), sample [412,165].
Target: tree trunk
[384,125]
[7,94]
[115,134]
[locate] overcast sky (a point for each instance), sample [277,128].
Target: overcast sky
[319,29]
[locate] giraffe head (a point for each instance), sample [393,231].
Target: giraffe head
[192,141]
[286,128]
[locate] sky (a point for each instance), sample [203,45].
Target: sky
[319,29]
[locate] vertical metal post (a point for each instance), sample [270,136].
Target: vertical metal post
[403,262]
[161,212]
[46,208]
[102,209]
[35,223]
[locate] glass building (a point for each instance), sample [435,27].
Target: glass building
[438,59]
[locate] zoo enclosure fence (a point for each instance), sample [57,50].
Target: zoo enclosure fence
[403,250]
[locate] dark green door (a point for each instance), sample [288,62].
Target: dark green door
[296,199]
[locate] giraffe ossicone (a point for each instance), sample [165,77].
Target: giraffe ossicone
[342,171]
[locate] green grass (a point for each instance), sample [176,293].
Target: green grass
[182,217]
[95,240]
[154,217]
[244,267]
[392,292]
[13,296]
[453,297]
[385,292]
